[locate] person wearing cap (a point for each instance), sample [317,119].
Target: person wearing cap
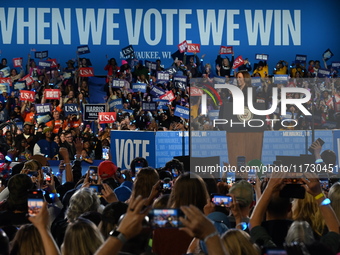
[244,195]
[47,147]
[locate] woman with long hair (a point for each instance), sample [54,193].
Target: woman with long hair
[237,242]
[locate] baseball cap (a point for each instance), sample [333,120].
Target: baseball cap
[243,192]
[106,169]
[46,129]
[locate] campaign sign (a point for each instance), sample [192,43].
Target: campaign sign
[194,47]
[27,95]
[149,106]
[130,112]
[43,118]
[168,96]
[180,82]
[70,109]
[52,94]
[213,114]
[336,65]
[86,72]
[263,57]
[43,108]
[280,78]
[163,104]
[54,63]
[19,85]
[322,73]
[5,72]
[4,87]
[28,79]
[181,111]
[128,50]
[83,49]
[219,80]
[156,91]
[238,62]
[301,59]
[106,117]
[195,92]
[44,64]
[171,70]
[327,54]
[118,83]
[256,81]
[41,54]
[163,76]
[117,103]
[226,50]
[91,111]
[139,87]
[127,145]
[17,62]
[6,80]
[182,47]
[151,65]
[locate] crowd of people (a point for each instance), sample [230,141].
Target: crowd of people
[163,211]
[84,214]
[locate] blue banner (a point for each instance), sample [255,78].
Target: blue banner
[156,91]
[291,143]
[280,78]
[256,81]
[301,59]
[182,112]
[139,87]
[84,49]
[323,73]
[71,109]
[149,106]
[117,103]
[127,145]
[43,108]
[154,31]
[118,83]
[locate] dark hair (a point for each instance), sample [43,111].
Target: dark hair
[328,157]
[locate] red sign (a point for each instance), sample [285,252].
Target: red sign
[86,72]
[106,117]
[52,94]
[226,50]
[6,80]
[194,47]
[54,63]
[183,46]
[238,62]
[17,62]
[195,92]
[168,96]
[27,95]
[29,80]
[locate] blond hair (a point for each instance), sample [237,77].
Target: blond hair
[308,210]
[27,241]
[334,196]
[82,238]
[237,242]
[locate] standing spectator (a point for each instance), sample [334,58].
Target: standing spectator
[31,138]
[47,147]
[68,144]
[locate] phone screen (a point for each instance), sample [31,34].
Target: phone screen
[96,188]
[35,202]
[138,166]
[220,200]
[105,152]
[165,218]
[93,173]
